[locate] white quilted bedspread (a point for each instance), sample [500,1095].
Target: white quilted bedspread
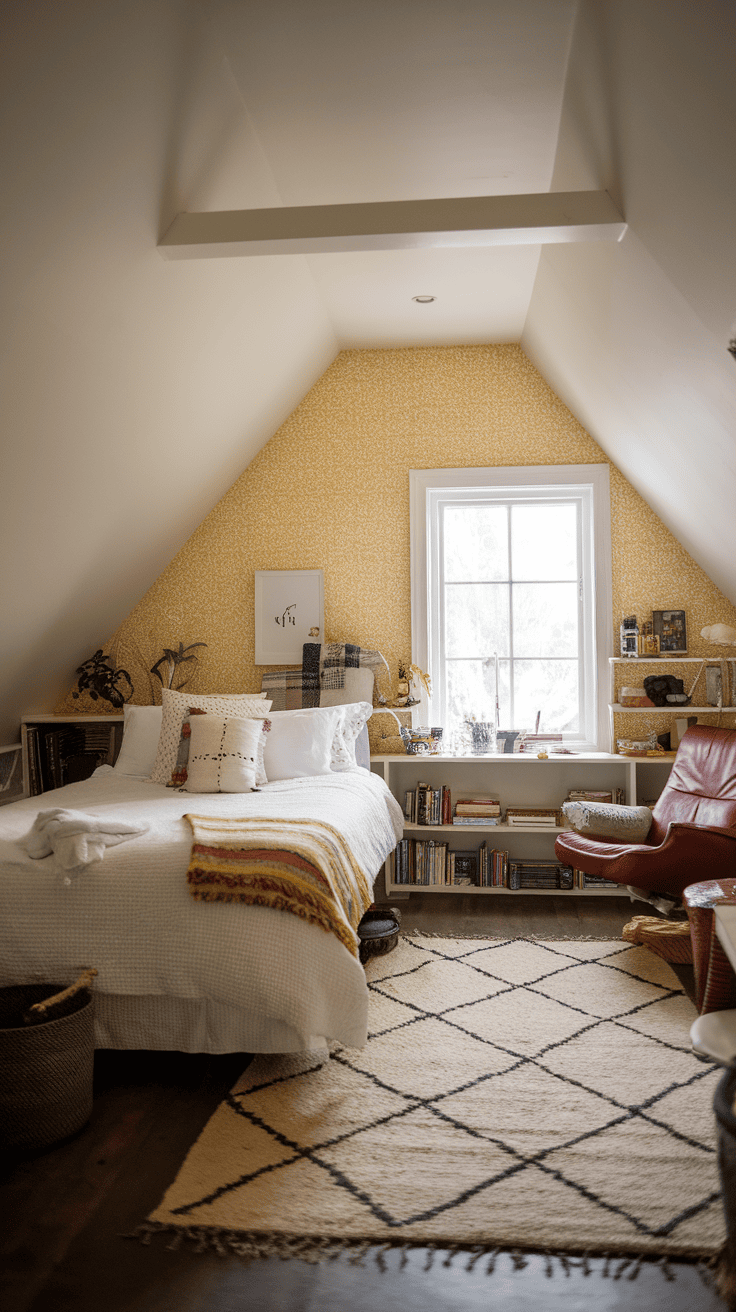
[132,917]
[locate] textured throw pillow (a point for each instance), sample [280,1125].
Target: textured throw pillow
[353,720]
[141,732]
[181,765]
[624,824]
[176,705]
[225,753]
[301,742]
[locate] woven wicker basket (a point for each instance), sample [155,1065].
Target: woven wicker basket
[47,1069]
[670,939]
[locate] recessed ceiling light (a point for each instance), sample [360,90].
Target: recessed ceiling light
[424,300]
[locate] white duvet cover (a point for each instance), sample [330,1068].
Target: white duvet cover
[173,972]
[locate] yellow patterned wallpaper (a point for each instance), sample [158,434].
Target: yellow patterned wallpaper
[330,491]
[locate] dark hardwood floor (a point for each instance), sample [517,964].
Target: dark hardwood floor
[66,1211]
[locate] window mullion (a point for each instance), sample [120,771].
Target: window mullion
[512,716]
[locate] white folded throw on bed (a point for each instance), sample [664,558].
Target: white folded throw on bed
[75,838]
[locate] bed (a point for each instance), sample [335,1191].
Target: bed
[175,973]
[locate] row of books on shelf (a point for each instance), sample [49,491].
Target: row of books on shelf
[425,805]
[424,862]
[64,754]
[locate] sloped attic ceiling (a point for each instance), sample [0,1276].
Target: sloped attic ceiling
[135,391]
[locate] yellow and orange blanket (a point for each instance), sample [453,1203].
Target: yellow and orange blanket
[304,867]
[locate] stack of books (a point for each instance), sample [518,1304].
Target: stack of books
[425,805]
[540,874]
[581,880]
[617,795]
[477,811]
[534,817]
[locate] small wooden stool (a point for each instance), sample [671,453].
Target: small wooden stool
[378,931]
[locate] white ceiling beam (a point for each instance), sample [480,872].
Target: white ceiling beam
[396,225]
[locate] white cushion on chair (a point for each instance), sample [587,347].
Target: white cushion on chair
[624,824]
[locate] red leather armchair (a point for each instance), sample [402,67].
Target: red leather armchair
[693,833]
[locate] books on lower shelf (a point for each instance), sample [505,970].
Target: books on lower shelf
[581,880]
[540,874]
[427,863]
[61,754]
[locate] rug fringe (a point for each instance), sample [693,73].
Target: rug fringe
[251,1246]
[517,938]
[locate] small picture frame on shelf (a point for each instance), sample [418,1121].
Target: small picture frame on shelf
[670,629]
[466,867]
[648,640]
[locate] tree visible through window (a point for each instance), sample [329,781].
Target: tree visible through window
[509,574]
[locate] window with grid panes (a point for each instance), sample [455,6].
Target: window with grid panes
[511,598]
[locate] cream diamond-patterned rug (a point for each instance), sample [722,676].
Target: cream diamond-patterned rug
[513,1094]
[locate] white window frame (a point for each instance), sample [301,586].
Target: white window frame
[429,489]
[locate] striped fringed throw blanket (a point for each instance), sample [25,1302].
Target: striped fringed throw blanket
[301,866]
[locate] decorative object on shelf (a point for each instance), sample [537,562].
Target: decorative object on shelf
[172,660]
[665,690]
[648,640]
[466,867]
[289,607]
[629,636]
[669,627]
[411,677]
[639,747]
[403,687]
[722,634]
[100,679]
[508,738]
[482,737]
[714,685]
[634,697]
[421,741]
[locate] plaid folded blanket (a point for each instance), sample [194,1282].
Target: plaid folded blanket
[301,866]
[324,669]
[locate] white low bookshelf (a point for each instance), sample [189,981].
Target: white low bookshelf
[517,779]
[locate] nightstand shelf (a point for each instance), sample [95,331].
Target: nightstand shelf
[62,749]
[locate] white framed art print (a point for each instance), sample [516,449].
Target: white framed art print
[290,610]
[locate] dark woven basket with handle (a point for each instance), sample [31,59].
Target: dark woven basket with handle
[47,1068]
[378,931]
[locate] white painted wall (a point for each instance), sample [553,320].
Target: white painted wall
[132,391]
[633,337]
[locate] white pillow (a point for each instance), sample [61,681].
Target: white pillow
[352,722]
[301,742]
[175,705]
[225,754]
[623,824]
[141,732]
